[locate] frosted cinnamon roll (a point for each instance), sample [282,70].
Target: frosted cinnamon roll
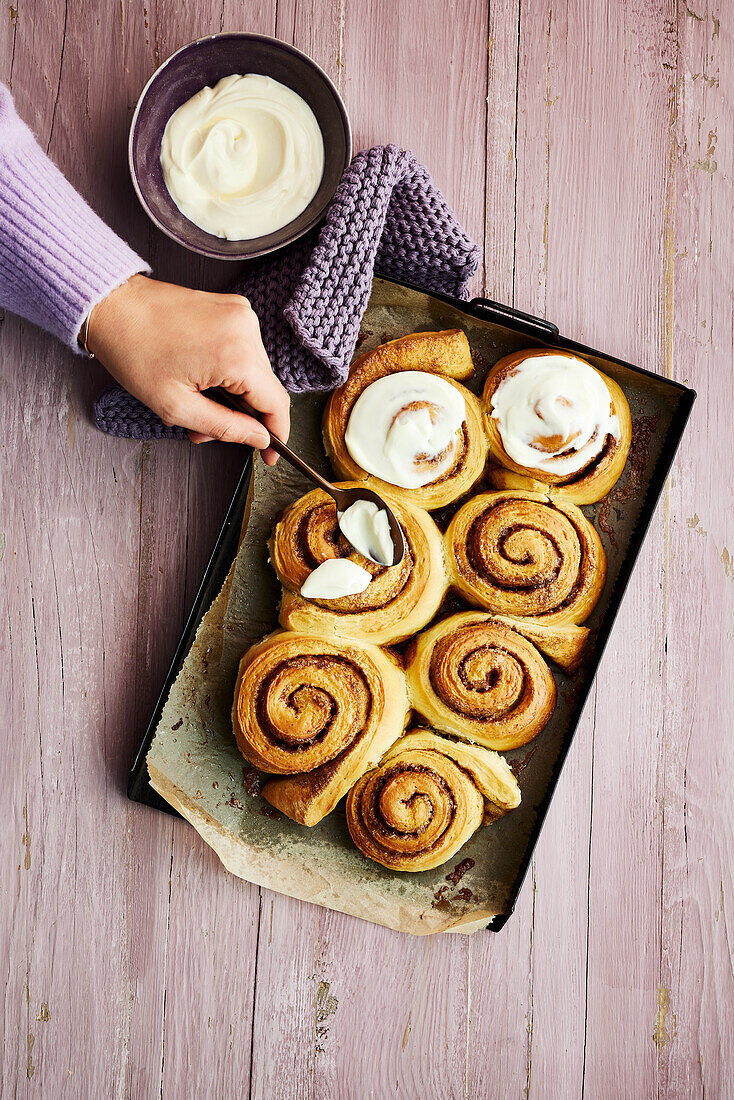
[426,799]
[404,424]
[397,602]
[525,554]
[317,714]
[555,420]
[478,678]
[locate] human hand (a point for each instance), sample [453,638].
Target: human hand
[166,344]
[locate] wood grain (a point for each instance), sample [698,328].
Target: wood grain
[588,146]
[696,763]
[598,147]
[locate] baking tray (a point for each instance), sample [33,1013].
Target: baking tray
[660,408]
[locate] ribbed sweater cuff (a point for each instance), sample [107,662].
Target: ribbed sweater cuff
[57,258]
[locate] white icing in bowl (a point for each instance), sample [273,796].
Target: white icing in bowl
[244,158]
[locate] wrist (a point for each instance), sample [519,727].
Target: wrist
[106,318]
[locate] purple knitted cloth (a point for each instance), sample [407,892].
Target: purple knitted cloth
[386,217]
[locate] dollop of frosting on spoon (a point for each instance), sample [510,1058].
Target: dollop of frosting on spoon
[367,528]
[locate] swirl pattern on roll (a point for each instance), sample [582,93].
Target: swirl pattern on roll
[426,799]
[446,354]
[478,678]
[398,601]
[525,554]
[301,701]
[566,437]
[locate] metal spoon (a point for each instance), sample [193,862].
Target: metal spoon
[343,497]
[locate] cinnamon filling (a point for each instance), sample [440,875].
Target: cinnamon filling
[472,685]
[309,698]
[459,457]
[479,559]
[382,828]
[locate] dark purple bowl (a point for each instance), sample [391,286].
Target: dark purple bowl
[203,63]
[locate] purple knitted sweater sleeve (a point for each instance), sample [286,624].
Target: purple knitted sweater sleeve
[57,258]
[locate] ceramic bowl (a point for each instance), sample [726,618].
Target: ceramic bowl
[203,63]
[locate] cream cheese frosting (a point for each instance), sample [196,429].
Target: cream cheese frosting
[334,578]
[405,428]
[554,414]
[367,528]
[244,158]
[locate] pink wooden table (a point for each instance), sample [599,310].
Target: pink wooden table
[588,146]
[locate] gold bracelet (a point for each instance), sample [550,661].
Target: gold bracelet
[83,336]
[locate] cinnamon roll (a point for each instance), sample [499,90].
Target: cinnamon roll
[318,714]
[525,554]
[404,424]
[479,678]
[426,798]
[555,420]
[397,602]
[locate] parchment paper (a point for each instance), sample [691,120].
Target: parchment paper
[194,762]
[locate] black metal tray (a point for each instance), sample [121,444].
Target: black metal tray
[520,329]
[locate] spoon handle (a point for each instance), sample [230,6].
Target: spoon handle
[234,401]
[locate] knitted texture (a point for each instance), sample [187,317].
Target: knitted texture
[57,258]
[387,216]
[117,412]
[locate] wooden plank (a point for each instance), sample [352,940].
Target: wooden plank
[159,615]
[500,166]
[71,577]
[693,1026]
[416,74]
[8,32]
[608,223]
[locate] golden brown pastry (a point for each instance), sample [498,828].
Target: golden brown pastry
[564,643]
[479,678]
[317,713]
[555,420]
[428,796]
[449,465]
[398,601]
[526,554]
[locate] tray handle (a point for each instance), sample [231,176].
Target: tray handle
[537,326]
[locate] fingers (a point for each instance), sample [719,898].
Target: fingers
[262,390]
[245,368]
[269,455]
[279,421]
[237,361]
[206,419]
[267,396]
